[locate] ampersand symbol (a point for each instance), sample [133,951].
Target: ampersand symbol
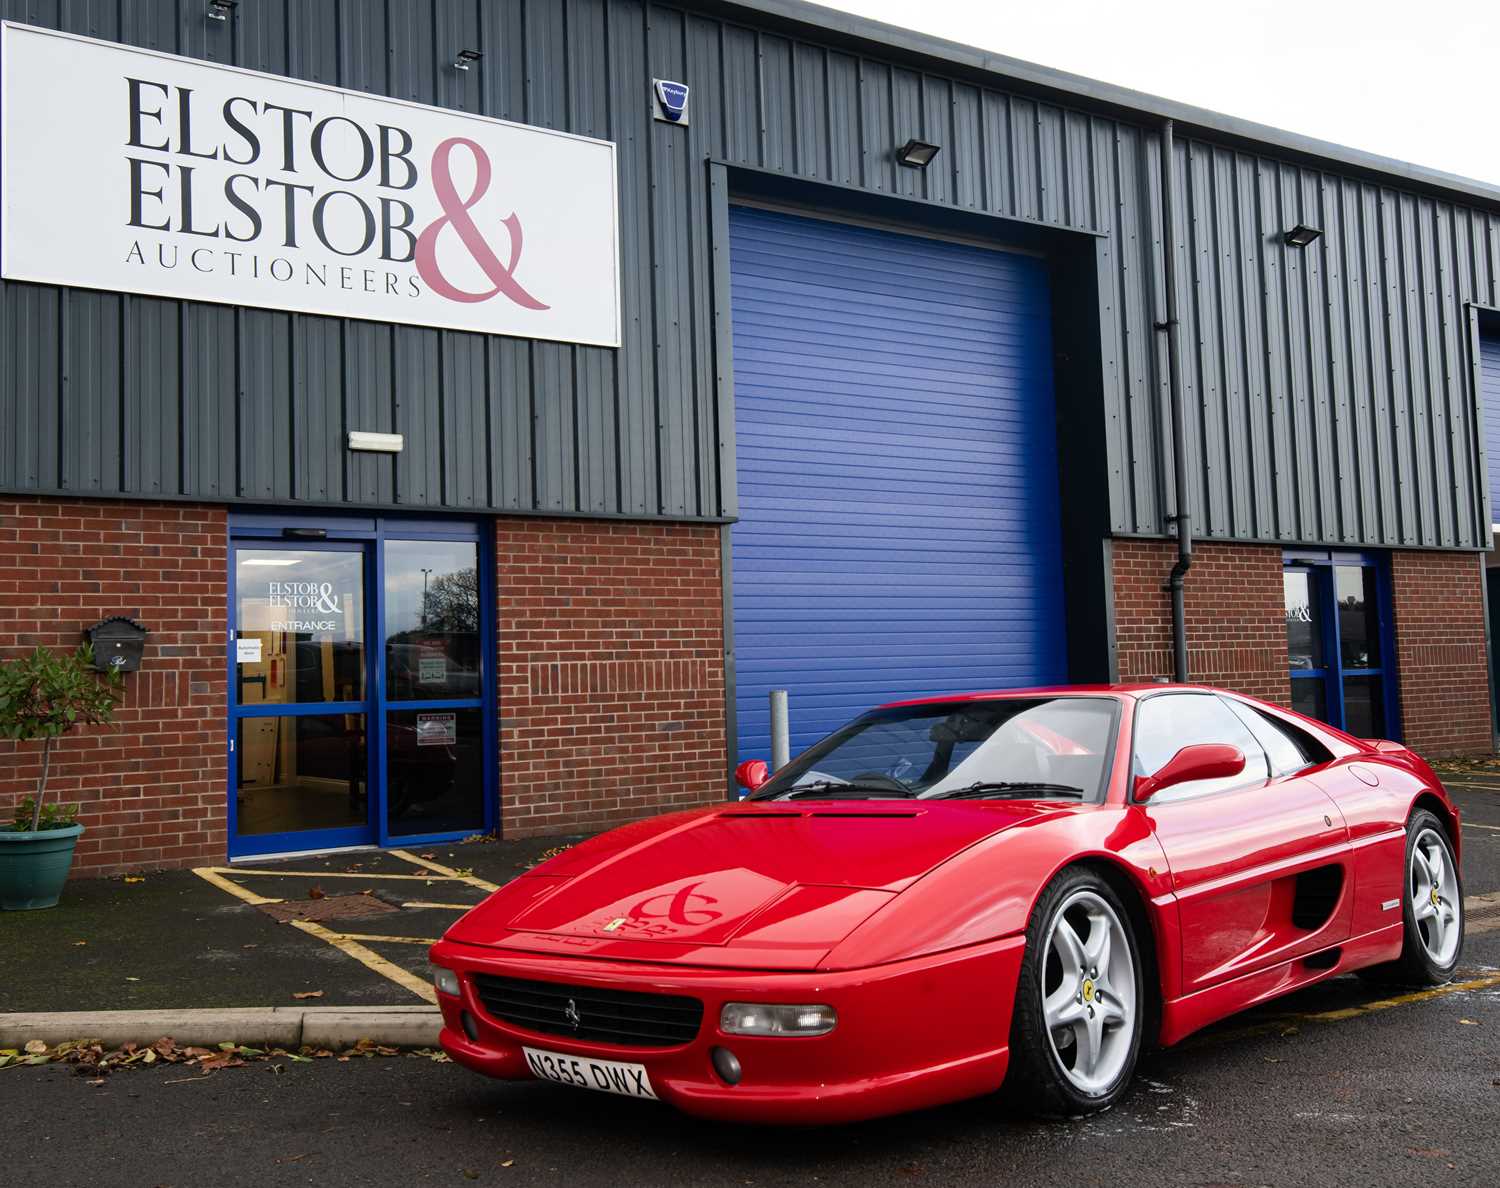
[678,909]
[456,215]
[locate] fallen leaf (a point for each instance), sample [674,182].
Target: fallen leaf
[35,1047]
[470,1175]
[135,878]
[80,942]
[249,946]
[1469,1022]
[149,1056]
[316,893]
[507,1163]
[307,994]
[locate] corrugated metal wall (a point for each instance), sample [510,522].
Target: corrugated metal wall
[1330,385]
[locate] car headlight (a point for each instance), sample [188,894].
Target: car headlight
[751,1018]
[445,980]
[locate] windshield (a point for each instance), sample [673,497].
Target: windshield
[1031,747]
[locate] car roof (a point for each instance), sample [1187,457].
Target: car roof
[1122,691]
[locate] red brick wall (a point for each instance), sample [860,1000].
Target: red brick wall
[153,786]
[1236,616]
[611,642]
[1440,652]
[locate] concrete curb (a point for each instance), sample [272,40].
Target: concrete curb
[278,1027]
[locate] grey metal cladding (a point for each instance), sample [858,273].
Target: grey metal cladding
[1329,388]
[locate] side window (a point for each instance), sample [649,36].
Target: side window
[1170,721]
[1286,752]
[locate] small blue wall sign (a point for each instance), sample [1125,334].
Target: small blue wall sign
[671,104]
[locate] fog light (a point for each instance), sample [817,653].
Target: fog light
[445,980]
[727,1065]
[471,1028]
[748,1018]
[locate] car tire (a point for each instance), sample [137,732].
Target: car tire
[1076,1035]
[1428,957]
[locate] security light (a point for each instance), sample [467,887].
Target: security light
[221,10]
[1300,236]
[917,153]
[466,58]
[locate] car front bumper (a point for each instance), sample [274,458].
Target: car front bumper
[910,1034]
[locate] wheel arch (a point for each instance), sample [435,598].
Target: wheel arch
[1435,804]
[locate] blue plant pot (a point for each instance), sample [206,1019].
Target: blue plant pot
[34,866]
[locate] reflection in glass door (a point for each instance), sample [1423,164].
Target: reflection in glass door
[300,697]
[434,728]
[334,742]
[1338,649]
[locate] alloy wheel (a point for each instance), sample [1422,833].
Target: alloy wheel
[1088,991]
[1435,901]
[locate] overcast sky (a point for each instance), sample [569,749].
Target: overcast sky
[1418,80]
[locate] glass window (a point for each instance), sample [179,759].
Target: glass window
[939,748]
[1310,697]
[1166,723]
[302,615]
[1284,752]
[1304,639]
[1359,631]
[432,620]
[435,771]
[1364,707]
[306,772]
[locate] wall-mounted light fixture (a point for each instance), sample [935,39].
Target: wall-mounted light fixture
[917,153]
[466,58]
[221,10]
[1300,236]
[376,443]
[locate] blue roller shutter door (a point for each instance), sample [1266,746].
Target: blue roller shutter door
[897,471]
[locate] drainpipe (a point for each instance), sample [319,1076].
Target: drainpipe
[1181,489]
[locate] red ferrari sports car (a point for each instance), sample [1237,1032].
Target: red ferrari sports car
[952,895]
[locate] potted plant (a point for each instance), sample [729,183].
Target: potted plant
[44,696]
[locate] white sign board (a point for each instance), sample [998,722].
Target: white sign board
[247,651]
[129,170]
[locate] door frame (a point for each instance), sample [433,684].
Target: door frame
[369,533]
[1320,564]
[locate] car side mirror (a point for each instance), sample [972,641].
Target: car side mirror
[752,773]
[1201,761]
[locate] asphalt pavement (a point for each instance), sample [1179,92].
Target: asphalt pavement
[1308,1091]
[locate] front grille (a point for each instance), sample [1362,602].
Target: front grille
[610,1016]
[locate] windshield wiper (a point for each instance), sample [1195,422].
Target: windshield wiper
[832,788]
[984,788]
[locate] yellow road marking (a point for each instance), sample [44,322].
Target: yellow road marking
[330,874]
[388,940]
[370,959]
[212,875]
[1386,1004]
[1475,787]
[452,907]
[446,872]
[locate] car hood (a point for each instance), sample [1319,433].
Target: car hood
[766,886]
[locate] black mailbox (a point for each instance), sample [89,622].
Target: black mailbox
[118,643]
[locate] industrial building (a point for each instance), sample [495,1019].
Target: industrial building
[482,404]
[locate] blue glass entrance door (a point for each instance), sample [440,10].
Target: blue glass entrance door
[1338,637]
[359,675]
[301,701]
[433,705]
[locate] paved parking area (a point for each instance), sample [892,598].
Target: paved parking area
[1338,1085]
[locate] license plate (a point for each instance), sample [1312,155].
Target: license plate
[608,1076]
